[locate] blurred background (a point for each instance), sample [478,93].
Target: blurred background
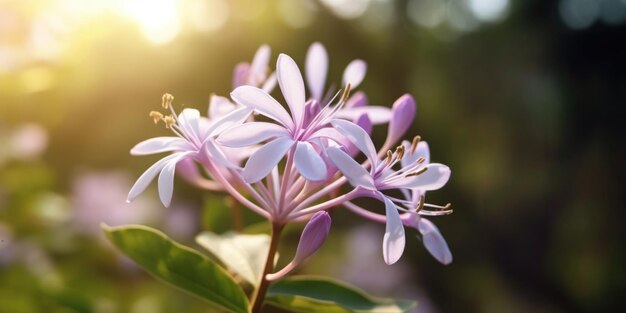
[524,100]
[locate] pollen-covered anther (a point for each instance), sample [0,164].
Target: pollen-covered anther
[346,94]
[167,100]
[414,143]
[420,160]
[400,152]
[156,116]
[418,172]
[169,121]
[389,156]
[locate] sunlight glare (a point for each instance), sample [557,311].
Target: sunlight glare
[159,19]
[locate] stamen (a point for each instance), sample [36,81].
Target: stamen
[421,160]
[400,152]
[418,172]
[440,207]
[346,94]
[169,121]
[416,140]
[156,116]
[167,100]
[421,204]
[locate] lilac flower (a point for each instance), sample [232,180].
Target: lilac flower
[290,136]
[256,73]
[382,177]
[193,135]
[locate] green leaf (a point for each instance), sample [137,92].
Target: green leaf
[308,294]
[179,266]
[243,254]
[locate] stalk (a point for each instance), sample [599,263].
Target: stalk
[259,294]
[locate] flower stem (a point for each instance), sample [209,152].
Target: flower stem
[259,294]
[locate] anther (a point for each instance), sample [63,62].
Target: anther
[167,100]
[169,121]
[389,156]
[399,152]
[416,140]
[418,172]
[156,116]
[421,160]
[346,93]
[421,204]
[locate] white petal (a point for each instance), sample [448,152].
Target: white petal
[434,241]
[377,114]
[189,121]
[358,137]
[435,177]
[270,83]
[227,121]
[316,69]
[353,171]
[261,163]
[309,163]
[144,180]
[393,241]
[160,144]
[216,153]
[219,106]
[354,73]
[260,63]
[251,133]
[166,182]
[420,152]
[332,134]
[263,103]
[291,85]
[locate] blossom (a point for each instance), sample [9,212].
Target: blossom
[193,134]
[382,177]
[255,73]
[292,134]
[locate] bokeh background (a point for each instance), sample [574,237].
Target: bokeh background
[525,100]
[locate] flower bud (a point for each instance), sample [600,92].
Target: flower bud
[313,236]
[402,115]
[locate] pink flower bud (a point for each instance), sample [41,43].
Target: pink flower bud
[402,115]
[240,73]
[313,236]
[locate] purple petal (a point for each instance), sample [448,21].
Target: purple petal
[357,100]
[358,137]
[160,144]
[291,85]
[219,106]
[353,171]
[378,114]
[309,163]
[227,121]
[394,240]
[251,133]
[166,180]
[316,69]
[258,68]
[240,74]
[332,134]
[435,177]
[144,180]
[402,115]
[434,241]
[421,151]
[354,73]
[365,122]
[311,110]
[313,236]
[263,103]
[261,163]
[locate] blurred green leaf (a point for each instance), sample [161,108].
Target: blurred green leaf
[179,266]
[216,215]
[243,254]
[308,294]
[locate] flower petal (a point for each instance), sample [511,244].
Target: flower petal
[251,133]
[261,163]
[144,180]
[354,73]
[353,171]
[358,137]
[434,241]
[270,83]
[166,182]
[219,106]
[421,151]
[291,85]
[365,122]
[435,177]
[240,73]
[227,121]
[316,69]
[394,240]
[262,102]
[359,99]
[258,68]
[402,115]
[189,121]
[309,163]
[160,144]
[378,114]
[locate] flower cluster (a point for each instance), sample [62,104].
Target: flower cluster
[294,162]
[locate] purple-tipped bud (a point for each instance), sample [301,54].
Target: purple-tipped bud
[311,109]
[313,236]
[402,115]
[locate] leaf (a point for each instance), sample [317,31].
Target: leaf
[308,294]
[243,254]
[179,266]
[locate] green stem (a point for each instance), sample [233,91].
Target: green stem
[259,294]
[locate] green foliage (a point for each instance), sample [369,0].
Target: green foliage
[179,266]
[243,254]
[308,294]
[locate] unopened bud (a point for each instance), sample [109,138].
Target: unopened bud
[402,115]
[313,236]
